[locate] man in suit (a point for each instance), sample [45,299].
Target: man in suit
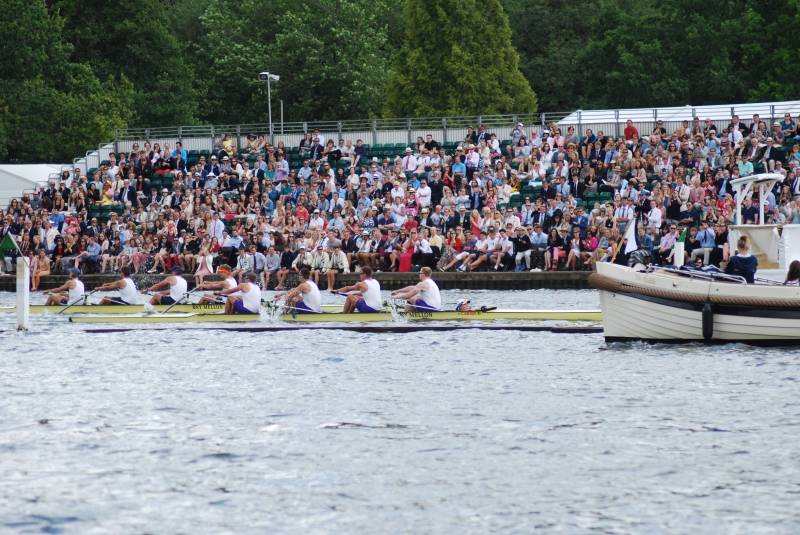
[714,160]
[542,218]
[767,156]
[211,168]
[580,220]
[93,229]
[577,187]
[476,199]
[316,149]
[547,192]
[462,218]
[127,194]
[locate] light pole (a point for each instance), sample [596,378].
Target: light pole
[281,115]
[269,77]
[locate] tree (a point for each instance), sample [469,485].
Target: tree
[51,109]
[662,53]
[335,69]
[132,41]
[457,60]
[548,35]
[769,45]
[332,57]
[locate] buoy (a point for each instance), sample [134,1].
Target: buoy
[708,321]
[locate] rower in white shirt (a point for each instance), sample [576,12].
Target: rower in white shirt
[244,298]
[305,298]
[366,296]
[226,283]
[423,296]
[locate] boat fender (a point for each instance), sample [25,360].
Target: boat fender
[708,321]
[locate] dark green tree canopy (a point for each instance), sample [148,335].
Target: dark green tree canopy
[458,60]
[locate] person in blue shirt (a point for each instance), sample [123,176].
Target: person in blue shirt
[179,148]
[743,263]
[580,220]
[459,169]
[57,219]
[707,243]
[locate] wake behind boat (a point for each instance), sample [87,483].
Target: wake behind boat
[676,306]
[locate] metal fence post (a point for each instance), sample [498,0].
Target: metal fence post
[480,120]
[616,123]
[147,134]
[733,111]
[180,134]
[444,129]
[408,121]
[694,113]
[305,129]
[339,127]
[374,132]
[771,114]
[544,120]
[579,122]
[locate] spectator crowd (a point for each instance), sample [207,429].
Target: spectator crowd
[542,198]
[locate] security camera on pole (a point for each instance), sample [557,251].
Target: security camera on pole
[268,77]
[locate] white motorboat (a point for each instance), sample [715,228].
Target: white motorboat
[671,305]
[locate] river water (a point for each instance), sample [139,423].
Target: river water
[207,431]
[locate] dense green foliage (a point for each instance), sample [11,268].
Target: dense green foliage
[458,60]
[629,53]
[51,107]
[72,71]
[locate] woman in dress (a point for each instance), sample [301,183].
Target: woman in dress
[42,269]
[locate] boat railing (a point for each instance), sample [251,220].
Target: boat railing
[711,276]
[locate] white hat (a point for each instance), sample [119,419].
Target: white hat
[225,158]
[165,190]
[375,159]
[408,149]
[209,175]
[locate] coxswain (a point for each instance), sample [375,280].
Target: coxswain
[125,286]
[423,296]
[305,298]
[177,288]
[226,283]
[244,298]
[366,296]
[70,293]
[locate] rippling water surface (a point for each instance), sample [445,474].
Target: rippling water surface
[207,431]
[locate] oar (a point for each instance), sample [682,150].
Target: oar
[85,297]
[185,296]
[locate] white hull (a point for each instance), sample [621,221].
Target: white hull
[635,316]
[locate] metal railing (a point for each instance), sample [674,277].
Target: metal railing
[370,131]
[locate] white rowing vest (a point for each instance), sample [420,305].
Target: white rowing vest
[252,299]
[312,298]
[372,297]
[128,293]
[176,292]
[231,284]
[76,293]
[432,296]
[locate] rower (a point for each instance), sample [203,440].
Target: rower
[70,293]
[226,283]
[244,298]
[126,287]
[423,296]
[366,296]
[305,298]
[177,288]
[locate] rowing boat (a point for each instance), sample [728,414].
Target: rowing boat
[167,318]
[478,315]
[135,309]
[117,309]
